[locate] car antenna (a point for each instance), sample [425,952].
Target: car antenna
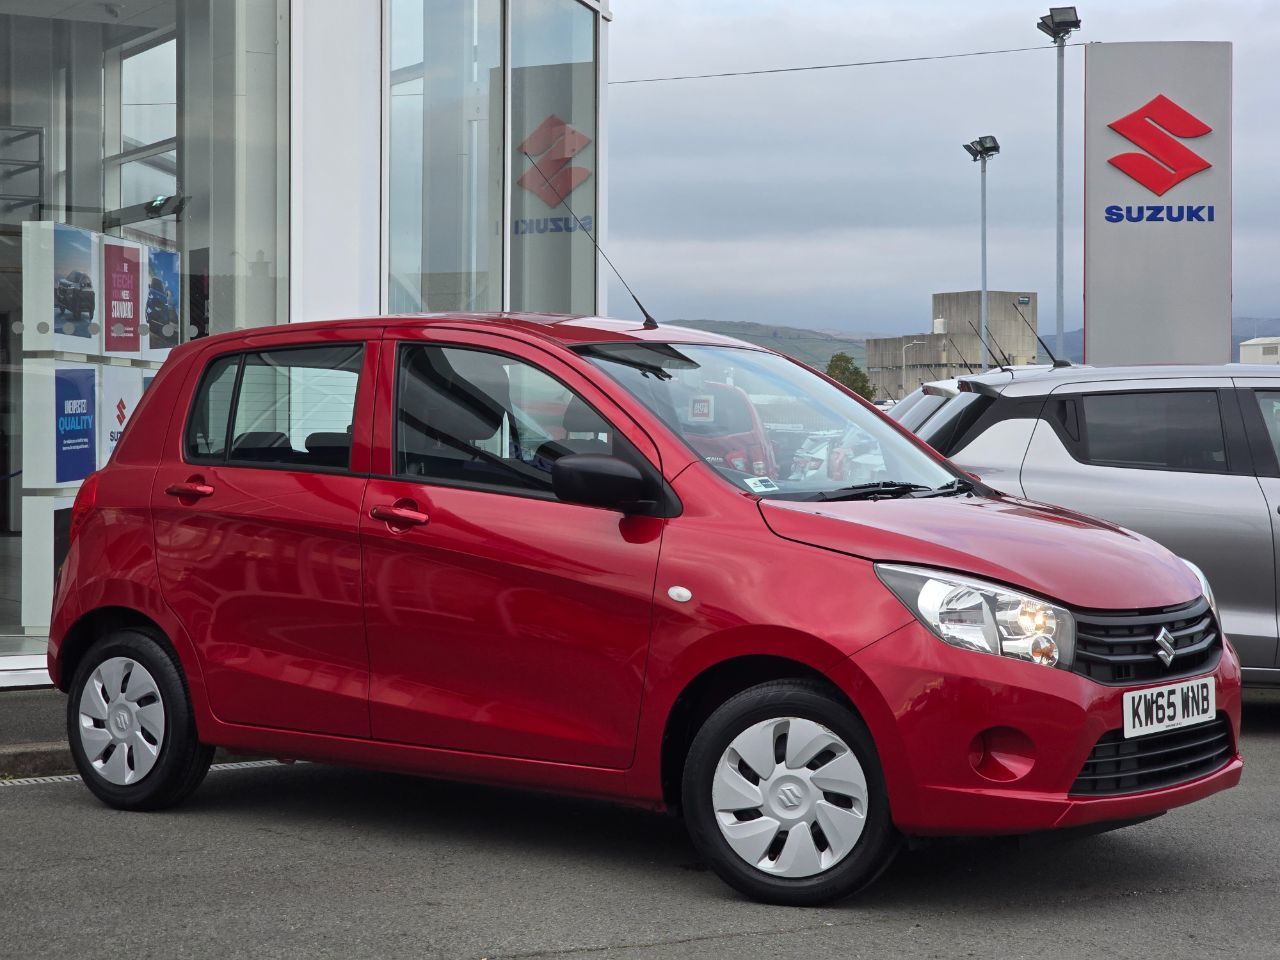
[1052,359]
[988,346]
[959,354]
[649,322]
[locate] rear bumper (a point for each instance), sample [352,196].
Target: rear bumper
[973,744]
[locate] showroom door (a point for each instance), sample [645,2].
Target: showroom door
[257,535]
[501,621]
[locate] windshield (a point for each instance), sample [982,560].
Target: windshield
[766,424]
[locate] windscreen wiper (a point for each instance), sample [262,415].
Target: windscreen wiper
[872,491]
[953,488]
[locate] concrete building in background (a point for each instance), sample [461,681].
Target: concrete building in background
[951,346]
[1260,350]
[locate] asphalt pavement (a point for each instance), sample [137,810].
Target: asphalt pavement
[311,861]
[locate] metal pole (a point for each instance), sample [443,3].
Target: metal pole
[904,365]
[983,335]
[1062,46]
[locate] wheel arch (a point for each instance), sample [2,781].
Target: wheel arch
[714,685]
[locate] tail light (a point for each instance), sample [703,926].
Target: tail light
[85,502]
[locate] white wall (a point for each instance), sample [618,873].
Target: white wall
[335,159]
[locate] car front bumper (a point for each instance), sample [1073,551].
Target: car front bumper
[973,744]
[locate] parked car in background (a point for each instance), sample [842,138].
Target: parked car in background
[74,294]
[558,552]
[1188,455]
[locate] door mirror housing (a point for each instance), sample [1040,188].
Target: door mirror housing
[600,480]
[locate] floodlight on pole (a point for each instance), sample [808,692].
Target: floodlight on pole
[1058,25]
[913,343]
[980,151]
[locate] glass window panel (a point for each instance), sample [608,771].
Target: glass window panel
[553,156]
[149,95]
[143,180]
[445,164]
[1169,430]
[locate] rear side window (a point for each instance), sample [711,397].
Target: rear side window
[206,436]
[1169,430]
[292,407]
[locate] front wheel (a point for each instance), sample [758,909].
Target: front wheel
[784,798]
[130,724]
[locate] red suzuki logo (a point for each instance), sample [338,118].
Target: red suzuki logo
[120,409]
[1153,127]
[551,148]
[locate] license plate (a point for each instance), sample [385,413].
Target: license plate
[1168,708]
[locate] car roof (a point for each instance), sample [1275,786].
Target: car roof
[1043,380]
[565,329]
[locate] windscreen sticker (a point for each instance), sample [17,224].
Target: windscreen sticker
[702,408]
[760,484]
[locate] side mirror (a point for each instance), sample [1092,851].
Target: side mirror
[599,480]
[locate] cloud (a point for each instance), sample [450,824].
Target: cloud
[844,194]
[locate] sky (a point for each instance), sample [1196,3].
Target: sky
[842,199]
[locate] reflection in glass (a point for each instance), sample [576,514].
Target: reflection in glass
[445,156]
[553,156]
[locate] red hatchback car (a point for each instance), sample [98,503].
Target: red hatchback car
[558,552]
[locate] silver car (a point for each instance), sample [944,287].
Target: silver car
[1188,455]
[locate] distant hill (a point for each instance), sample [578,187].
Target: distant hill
[808,346]
[1242,329]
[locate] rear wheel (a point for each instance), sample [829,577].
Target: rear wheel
[784,797]
[130,724]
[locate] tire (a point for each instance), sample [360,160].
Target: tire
[130,724]
[833,785]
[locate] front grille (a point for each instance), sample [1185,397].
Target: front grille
[1117,765]
[1121,648]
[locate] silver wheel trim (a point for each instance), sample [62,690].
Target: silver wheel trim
[121,721]
[796,817]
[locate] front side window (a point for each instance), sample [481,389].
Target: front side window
[1269,404]
[471,416]
[1165,430]
[766,424]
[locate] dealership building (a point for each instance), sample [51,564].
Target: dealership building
[171,169]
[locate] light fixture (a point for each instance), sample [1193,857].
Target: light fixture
[1059,23]
[982,148]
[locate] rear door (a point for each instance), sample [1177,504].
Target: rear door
[1169,459]
[256,517]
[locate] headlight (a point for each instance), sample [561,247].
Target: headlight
[1205,588]
[976,615]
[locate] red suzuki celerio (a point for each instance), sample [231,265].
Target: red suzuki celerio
[559,552]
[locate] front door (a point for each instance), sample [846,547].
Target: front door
[257,536]
[501,620]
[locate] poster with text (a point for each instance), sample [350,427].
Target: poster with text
[75,392]
[163,310]
[121,391]
[75,319]
[122,283]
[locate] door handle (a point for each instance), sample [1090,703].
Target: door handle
[399,515]
[192,489]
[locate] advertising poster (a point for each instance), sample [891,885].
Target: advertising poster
[121,391]
[122,286]
[75,412]
[75,298]
[163,298]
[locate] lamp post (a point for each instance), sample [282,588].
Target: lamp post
[1058,25]
[982,150]
[913,343]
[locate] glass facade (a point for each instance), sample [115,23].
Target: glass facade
[143,202]
[488,196]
